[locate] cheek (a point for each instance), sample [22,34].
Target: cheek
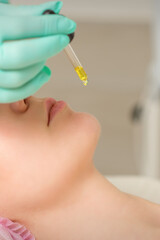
[20,149]
[17,141]
[24,169]
[33,162]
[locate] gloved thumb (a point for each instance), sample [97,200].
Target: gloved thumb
[29,10]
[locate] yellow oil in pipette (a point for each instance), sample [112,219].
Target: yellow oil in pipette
[82,74]
[73,58]
[76,64]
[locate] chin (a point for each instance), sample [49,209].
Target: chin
[89,126]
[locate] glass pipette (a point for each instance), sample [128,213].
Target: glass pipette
[76,64]
[72,56]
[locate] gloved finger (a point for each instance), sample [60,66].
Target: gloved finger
[17,78]
[14,28]
[13,95]
[23,53]
[31,10]
[4,1]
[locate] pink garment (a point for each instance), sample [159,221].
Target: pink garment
[13,231]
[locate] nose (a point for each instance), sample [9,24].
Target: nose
[20,106]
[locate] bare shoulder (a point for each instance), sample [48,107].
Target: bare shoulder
[146,215]
[132,217]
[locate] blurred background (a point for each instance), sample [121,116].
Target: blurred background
[113,43]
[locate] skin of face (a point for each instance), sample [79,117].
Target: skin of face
[41,168]
[40,164]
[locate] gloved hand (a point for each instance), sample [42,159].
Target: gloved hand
[22,70]
[4,1]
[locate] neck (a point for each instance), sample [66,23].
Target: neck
[92,204]
[66,219]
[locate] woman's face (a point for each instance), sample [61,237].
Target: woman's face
[38,162]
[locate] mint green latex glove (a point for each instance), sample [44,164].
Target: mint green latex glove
[22,69]
[4,1]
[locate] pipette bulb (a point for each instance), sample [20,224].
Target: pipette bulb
[71,36]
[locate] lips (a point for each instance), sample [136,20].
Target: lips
[56,108]
[49,113]
[49,102]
